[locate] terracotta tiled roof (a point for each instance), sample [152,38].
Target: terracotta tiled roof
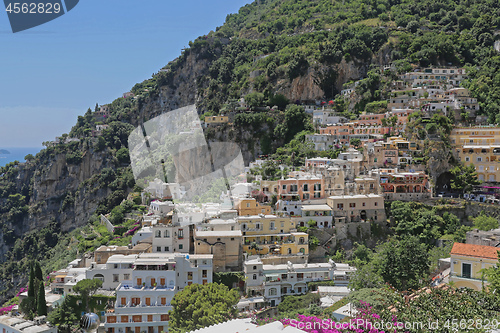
[472,250]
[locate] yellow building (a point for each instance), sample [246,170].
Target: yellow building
[479,146]
[272,235]
[250,206]
[475,136]
[467,262]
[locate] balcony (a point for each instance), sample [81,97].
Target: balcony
[455,275]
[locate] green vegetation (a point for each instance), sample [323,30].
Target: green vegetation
[35,304]
[485,222]
[87,288]
[198,306]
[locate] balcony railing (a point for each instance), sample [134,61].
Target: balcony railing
[466,277]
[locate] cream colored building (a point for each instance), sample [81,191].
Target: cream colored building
[467,263]
[357,208]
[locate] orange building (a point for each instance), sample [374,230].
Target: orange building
[301,188]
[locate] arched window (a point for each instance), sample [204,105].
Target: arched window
[158,233]
[99,276]
[289,251]
[166,234]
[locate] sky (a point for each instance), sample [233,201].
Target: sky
[94,53]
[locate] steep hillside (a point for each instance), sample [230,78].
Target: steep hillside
[275,51]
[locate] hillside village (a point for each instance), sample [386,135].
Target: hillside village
[275,234]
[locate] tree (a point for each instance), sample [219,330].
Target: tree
[38,271]
[403,262]
[493,276]
[41,308]
[355,142]
[279,100]
[367,276]
[485,222]
[254,99]
[123,155]
[63,316]
[28,307]
[199,306]
[464,178]
[87,288]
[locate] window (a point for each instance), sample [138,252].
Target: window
[317,187]
[158,233]
[254,277]
[167,249]
[158,249]
[254,268]
[273,292]
[317,194]
[364,204]
[163,301]
[466,270]
[376,203]
[116,278]
[150,317]
[479,159]
[248,205]
[124,319]
[352,205]
[165,317]
[181,234]
[284,187]
[190,275]
[162,281]
[204,273]
[166,234]
[340,206]
[181,246]
[306,187]
[305,196]
[271,225]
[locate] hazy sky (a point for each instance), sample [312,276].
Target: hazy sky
[52,73]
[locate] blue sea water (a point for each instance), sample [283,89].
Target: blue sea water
[17,154]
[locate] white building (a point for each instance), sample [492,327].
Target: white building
[143,302]
[161,207]
[322,142]
[66,279]
[327,117]
[319,213]
[145,233]
[117,269]
[14,324]
[275,281]
[171,237]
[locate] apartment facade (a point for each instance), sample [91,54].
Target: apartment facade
[407,186]
[357,208]
[275,281]
[143,302]
[301,188]
[273,235]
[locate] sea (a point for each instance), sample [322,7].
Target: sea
[17,154]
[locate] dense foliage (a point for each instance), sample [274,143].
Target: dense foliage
[198,306]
